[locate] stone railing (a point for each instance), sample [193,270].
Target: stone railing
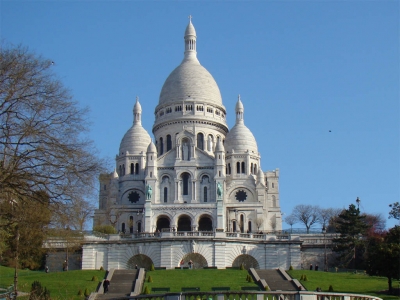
[239,295]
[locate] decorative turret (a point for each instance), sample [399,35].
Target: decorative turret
[151,161]
[190,41]
[239,111]
[137,112]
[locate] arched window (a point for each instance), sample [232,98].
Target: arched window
[131,224]
[185,181]
[243,168]
[137,168]
[120,171]
[205,194]
[273,201]
[161,146]
[241,223]
[229,168]
[249,227]
[123,228]
[238,167]
[234,226]
[200,141]
[165,195]
[139,226]
[255,169]
[169,142]
[123,169]
[251,168]
[132,168]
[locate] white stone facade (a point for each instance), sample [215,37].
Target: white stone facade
[198,176]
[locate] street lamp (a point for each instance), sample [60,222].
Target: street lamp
[325,257]
[358,203]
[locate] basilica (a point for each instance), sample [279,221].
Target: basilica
[198,175]
[195,191]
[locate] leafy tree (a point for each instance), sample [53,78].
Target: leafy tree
[383,255]
[350,244]
[306,214]
[395,211]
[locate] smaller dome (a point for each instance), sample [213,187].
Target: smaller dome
[152,147]
[135,140]
[240,139]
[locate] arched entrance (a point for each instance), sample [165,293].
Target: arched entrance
[162,223]
[141,261]
[198,260]
[184,224]
[247,260]
[205,223]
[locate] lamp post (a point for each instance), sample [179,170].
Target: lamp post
[325,257]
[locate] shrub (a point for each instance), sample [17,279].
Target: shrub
[38,292]
[80,293]
[152,267]
[94,278]
[330,288]
[267,288]
[250,279]
[107,229]
[86,292]
[305,278]
[241,266]
[146,290]
[290,268]
[150,279]
[101,268]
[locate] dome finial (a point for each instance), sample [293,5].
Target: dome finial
[137,111]
[239,111]
[190,41]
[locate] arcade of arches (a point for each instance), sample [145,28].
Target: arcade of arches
[185,223]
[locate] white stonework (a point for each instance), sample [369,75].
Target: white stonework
[198,176]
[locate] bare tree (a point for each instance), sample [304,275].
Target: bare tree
[306,214]
[273,223]
[326,214]
[291,220]
[44,149]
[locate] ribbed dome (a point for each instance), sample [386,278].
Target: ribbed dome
[152,148]
[190,81]
[135,140]
[240,139]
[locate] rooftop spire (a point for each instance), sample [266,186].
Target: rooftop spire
[190,41]
[239,111]
[137,112]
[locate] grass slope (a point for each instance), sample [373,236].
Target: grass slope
[62,285]
[345,283]
[203,278]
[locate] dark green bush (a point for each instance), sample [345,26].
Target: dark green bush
[146,290]
[38,292]
[330,288]
[94,278]
[87,293]
[149,279]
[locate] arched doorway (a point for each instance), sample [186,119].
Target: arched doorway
[198,260]
[248,262]
[141,261]
[184,224]
[205,223]
[162,223]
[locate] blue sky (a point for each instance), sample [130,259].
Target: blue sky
[302,68]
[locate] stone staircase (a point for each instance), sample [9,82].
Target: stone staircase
[276,281]
[122,283]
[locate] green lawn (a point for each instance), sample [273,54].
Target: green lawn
[65,285]
[345,282]
[62,285]
[203,278]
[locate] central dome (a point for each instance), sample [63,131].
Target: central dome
[190,80]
